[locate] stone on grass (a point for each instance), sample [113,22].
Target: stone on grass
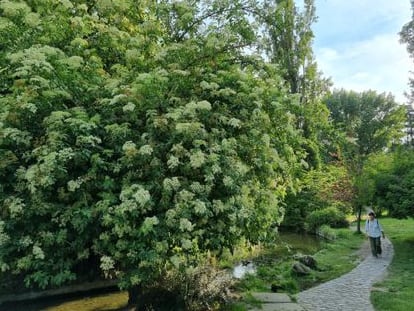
[300,269]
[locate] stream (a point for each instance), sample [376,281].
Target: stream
[102,300]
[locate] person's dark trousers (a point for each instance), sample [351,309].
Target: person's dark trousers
[375,246]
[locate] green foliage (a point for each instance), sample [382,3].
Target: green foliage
[370,122]
[389,182]
[327,216]
[319,189]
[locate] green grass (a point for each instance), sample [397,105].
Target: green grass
[396,292]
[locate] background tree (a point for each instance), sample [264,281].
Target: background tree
[370,123]
[288,43]
[391,176]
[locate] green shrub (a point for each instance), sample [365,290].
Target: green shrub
[327,232]
[328,216]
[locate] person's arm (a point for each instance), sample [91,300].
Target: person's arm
[366,227]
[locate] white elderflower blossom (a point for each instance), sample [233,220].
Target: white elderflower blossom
[200,207]
[38,252]
[197,159]
[107,263]
[142,196]
[171,184]
[236,123]
[186,225]
[197,187]
[203,105]
[145,150]
[173,162]
[74,184]
[129,148]
[129,107]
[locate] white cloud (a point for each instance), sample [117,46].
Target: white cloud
[357,45]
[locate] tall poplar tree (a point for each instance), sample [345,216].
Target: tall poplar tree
[407,37]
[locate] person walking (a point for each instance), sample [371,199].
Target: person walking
[374,232]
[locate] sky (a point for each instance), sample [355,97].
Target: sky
[357,44]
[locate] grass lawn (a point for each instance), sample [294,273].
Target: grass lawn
[396,292]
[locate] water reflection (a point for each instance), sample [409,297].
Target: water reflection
[243,268]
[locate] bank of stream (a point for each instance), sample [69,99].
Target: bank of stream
[287,245]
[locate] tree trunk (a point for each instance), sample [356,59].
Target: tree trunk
[359,212]
[133,294]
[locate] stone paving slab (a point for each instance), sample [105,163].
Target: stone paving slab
[286,306]
[272,297]
[275,302]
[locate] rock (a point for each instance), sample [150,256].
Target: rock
[300,268]
[309,261]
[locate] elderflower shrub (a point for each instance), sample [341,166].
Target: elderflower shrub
[38,252]
[129,107]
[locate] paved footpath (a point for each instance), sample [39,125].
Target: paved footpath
[350,292]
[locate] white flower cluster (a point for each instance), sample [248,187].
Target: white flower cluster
[145,150]
[236,123]
[171,184]
[173,162]
[186,225]
[107,263]
[197,159]
[200,207]
[74,184]
[142,196]
[129,148]
[38,252]
[209,86]
[196,187]
[129,107]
